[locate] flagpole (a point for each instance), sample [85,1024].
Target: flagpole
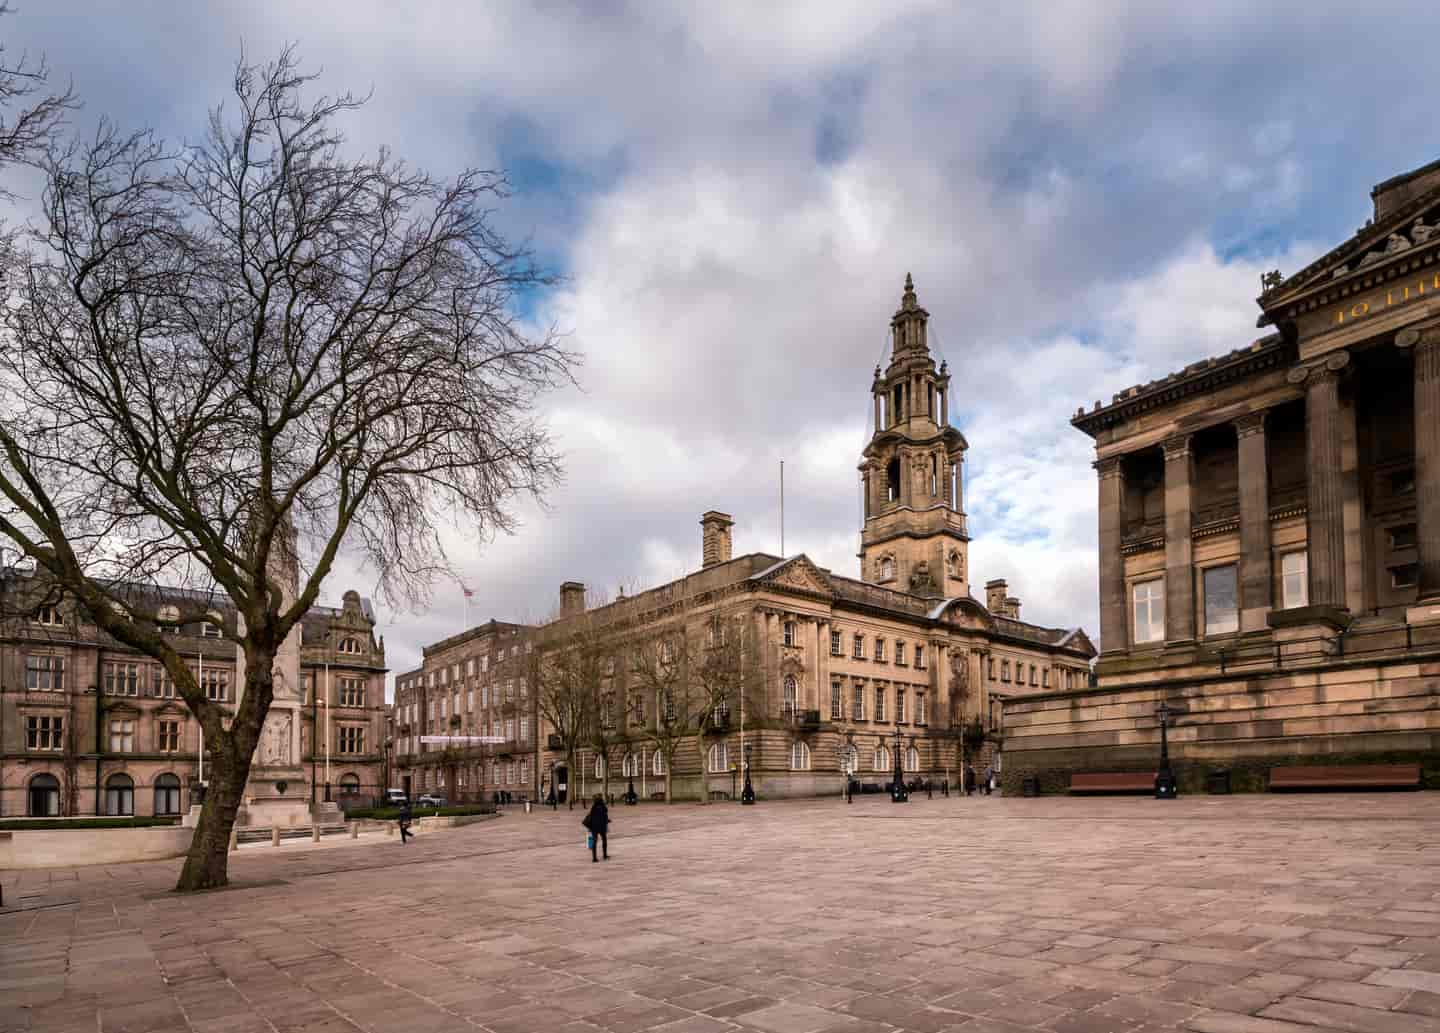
[327,731]
[202,724]
[782,509]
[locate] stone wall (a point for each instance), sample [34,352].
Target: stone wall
[64,848]
[1344,713]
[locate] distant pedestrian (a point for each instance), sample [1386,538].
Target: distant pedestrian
[598,823]
[969,780]
[405,818]
[989,780]
[929,789]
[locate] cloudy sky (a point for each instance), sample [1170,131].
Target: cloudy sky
[1086,194]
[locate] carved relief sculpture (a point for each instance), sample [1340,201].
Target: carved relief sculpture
[275,740]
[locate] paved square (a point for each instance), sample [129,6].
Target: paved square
[1246,914]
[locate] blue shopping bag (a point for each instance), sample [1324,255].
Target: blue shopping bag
[590,841]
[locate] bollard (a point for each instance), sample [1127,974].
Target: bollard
[274,835]
[389,829]
[234,839]
[354,830]
[315,832]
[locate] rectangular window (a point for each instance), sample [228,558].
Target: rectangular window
[992,668]
[1005,670]
[922,715]
[470,667]
[899,706]
[900,653]
[837,703]
[1034,676]
[1045,678]
[44,733]
[510,728]
[122,679]
[789,633]
[45,673]
[484,664]
[857,705]
[469,700]
[352,692]
[161,684]
[920,657]
[857,649]
[835,644]
[1149,610]
[879,649]
[352,739]
[879,704]
[525,726]
[1406,576]
[169,737]
[1294,580]
[1403,536]
[122,736]
[216,685]
[48,614]
[1222,599]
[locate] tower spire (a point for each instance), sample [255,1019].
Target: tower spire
[908,324]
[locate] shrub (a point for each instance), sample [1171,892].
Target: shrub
[392,813]
[84,823]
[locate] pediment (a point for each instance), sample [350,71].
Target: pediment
[799,574]
[1080,641]
[963,612]
[1374,245]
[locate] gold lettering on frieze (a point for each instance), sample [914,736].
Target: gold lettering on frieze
[1397,295]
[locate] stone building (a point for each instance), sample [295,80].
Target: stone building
[471,684]
[1270,530]
[89,726]
[839,671]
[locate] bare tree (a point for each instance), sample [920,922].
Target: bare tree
[661,668]
[239,356]
[30,114]
[727,680]
[566,666]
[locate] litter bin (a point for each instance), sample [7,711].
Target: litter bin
[1030,786]
[1217,782]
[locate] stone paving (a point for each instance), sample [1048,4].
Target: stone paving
[1246,914]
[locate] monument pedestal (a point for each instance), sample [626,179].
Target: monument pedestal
[276,796]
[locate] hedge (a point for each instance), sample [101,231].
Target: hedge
[392,813]
[84,823]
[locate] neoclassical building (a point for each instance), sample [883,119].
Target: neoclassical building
[842,670]
[88,726]
[1269,531]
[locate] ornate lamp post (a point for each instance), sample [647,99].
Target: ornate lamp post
[898,793]
[747,795]
[1165,787]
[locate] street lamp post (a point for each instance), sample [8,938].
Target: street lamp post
[1165,787]
[747,795]
[898,793]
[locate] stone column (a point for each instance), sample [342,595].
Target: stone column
[1426,346]
[1113,637]
[1324,521]
[1255,583]
[1179,587]
[878,425]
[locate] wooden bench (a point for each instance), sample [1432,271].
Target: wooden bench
[1347,776]
[1113,782]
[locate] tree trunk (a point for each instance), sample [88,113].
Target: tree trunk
[704,768]
[570,774]
[669,779]
[208,860]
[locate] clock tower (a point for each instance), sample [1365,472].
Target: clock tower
[914,539]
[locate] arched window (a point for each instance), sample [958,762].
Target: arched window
[892,481]
[850,760]
[44,797]
[887,568]
[789,700]
[912,759]
[881,760]
[350,783]
[167,794]
[934,475]
[630,766]
[349,645]
[799,757]
[657,764]
[120,795]
[719,759]
[599,767]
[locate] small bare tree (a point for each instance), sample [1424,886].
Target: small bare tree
[234,358]
[727,680]
[566,666]
[661,676]
[30,113]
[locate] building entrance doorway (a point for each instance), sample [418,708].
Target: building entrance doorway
[562,782]
[44,797]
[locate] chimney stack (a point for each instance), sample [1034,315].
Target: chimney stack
[995,596]
[1012,607]
[715,538]
[572,599]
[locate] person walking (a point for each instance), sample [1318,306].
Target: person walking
[598,823]
[405,817]
[989,782]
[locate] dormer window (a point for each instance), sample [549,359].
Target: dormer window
[215,630]
[49,615]
[350,645]
[168,619]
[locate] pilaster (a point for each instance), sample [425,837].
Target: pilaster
[1179,552]
[1255,584]
[1113,637]
[1425,344]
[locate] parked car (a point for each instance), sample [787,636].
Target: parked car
[395,797]
[431,800]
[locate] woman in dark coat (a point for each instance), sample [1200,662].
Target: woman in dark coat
[598,822]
